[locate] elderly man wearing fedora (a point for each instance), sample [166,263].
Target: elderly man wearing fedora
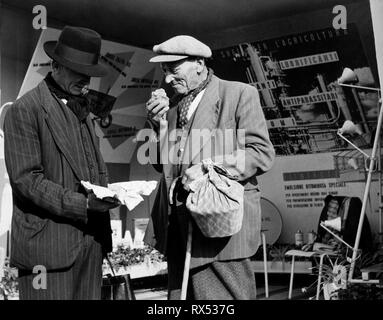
[59,232]
[219,267]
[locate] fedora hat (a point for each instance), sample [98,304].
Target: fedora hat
[77,49]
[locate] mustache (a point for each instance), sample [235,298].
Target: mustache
[82,83]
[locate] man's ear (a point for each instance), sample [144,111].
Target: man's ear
[200,65]
[56,67]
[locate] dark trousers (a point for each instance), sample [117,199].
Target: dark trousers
[81,281]
[219,280]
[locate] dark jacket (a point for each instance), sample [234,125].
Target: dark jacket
[49,206]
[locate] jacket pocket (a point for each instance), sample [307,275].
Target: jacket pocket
[31,224]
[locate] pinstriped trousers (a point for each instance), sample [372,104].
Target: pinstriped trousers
[81,281]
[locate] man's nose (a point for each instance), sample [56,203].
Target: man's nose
[169,78]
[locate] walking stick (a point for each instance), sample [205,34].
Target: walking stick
[185,278]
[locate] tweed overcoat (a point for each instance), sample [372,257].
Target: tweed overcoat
[226,107]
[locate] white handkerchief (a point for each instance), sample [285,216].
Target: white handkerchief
[129,192]
[99,191]
[141,187]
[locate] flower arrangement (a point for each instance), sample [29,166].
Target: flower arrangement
[8,283]
[124,257]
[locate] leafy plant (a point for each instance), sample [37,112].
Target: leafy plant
[367,260]
[278,253]
[335,277]
[8,284]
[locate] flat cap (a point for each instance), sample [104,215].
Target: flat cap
[180,47]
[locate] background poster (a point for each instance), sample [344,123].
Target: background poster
[296,76]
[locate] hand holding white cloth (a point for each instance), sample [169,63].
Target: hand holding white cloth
[129,193]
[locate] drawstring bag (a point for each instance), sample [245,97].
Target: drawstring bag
[215,201]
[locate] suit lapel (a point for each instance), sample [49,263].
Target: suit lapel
[96,147]
[203,122]
[63,138]
[95,142]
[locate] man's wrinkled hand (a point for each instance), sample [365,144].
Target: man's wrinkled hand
[158,105]
[101,205]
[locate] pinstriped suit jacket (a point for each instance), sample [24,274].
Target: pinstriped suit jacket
[42,159]
[224,105]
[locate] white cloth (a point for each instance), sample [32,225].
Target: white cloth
[129,193]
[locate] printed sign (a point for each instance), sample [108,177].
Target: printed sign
[304,110]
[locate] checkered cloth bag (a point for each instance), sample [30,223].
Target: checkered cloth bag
[215,201]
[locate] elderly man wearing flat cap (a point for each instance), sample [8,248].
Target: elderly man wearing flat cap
[59,232]
[220,268]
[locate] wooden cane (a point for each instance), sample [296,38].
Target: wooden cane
[185,278]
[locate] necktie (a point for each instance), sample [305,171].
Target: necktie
[183,110]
